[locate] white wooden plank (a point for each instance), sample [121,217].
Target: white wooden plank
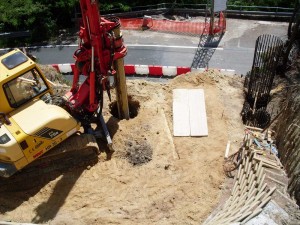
[181,120]
[197,110]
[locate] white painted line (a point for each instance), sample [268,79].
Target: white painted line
[128,45]
[53,46]
[133,45]
[171,46]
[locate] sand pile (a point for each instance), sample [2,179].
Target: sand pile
[152,177]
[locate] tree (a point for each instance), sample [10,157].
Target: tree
[42,17]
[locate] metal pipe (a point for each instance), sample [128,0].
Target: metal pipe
[106,133]
[93,60]
[212,17]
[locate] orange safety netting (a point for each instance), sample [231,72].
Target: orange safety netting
[171,26]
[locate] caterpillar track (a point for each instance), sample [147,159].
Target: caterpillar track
[76,152]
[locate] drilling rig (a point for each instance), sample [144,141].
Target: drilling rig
[34,127]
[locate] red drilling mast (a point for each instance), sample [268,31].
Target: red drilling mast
[100,55]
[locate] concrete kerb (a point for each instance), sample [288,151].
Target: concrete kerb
[147,70]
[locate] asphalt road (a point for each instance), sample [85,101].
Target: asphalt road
[234,51]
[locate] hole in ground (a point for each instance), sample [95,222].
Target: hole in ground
[133,105]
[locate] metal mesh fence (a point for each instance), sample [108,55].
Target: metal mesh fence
[190,27]
[260,80]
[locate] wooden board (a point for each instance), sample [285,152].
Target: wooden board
[189,113]
[181,118]
[198,120]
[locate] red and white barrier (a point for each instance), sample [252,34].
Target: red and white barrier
[149,70]
[141,69]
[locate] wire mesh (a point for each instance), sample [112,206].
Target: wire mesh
[267,50]
[260,80]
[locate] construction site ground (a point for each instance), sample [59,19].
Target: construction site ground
[152,177]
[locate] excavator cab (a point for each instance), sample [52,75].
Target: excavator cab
[29,124]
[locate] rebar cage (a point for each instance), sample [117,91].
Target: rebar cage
[267,51]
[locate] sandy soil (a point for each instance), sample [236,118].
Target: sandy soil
[180,182]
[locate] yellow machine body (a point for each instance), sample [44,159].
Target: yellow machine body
[29,125]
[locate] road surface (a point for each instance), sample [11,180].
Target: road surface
[234,51]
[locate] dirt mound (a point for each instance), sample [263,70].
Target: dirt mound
[59,84]
[51,74]
[179,180]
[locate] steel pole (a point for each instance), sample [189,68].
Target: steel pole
[212,17]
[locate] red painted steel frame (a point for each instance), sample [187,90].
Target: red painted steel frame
[94,58]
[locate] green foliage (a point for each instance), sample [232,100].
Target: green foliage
[123,7]
[45,17]
[105,7]
[19,14]
[42,17]
[271,3]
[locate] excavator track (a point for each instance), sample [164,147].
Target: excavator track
[76,152]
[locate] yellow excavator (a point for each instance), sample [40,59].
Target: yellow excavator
[31,121]
[30,125]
